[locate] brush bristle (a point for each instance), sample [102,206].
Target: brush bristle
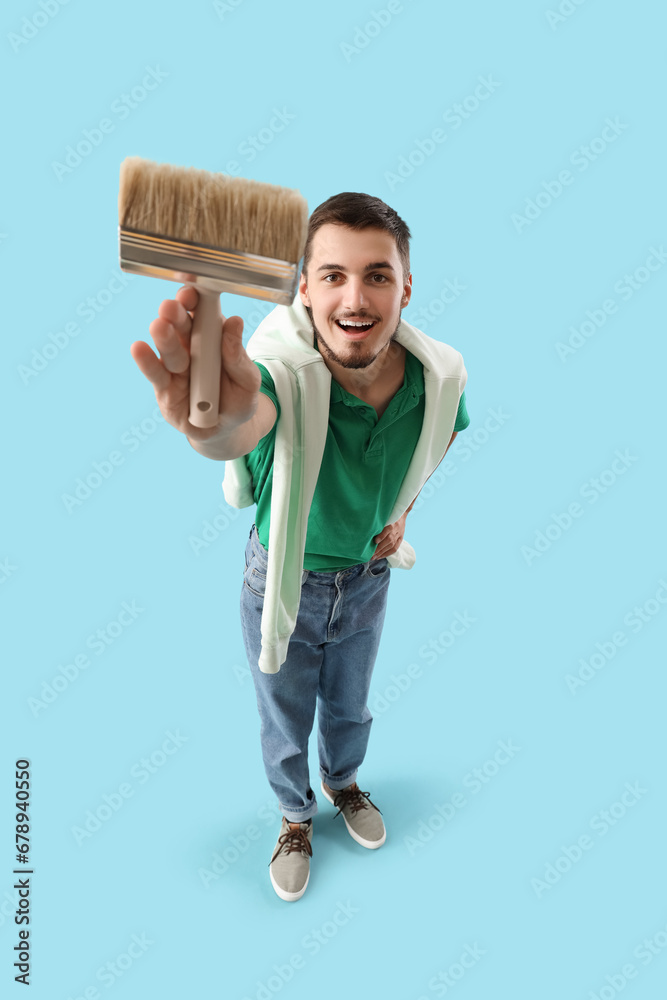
[231,213]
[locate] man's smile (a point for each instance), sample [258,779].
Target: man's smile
[355,329]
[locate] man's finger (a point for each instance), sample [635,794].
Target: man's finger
[232,341]
[150,365]
[237,366]
[175,357]
[234,326]
[188,297]
[379,550]
[175,313]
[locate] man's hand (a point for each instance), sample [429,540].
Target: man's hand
[390,538]
[169,374]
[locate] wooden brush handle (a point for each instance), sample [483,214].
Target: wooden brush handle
[205,363]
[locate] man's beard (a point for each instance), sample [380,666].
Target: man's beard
[353,362]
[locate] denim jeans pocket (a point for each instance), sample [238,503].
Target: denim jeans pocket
[377,567]
[254,576]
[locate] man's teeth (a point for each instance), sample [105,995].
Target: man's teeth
[347,322]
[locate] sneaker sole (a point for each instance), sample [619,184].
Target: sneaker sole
[289,897]
[372,844]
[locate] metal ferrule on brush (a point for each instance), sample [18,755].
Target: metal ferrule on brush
[208,267]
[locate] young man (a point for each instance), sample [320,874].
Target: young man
[380,395]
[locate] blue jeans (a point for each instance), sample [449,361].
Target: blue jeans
[330,660]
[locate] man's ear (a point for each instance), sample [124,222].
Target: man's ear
[407,291]
[303,290]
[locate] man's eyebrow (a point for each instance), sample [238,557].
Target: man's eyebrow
[369,267]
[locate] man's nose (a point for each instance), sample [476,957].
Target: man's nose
[356,296]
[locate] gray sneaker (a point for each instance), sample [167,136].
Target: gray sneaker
[362,819]
[289,867]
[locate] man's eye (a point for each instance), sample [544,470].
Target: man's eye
[327,276]
[378,275]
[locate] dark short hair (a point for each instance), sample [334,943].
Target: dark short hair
[359,211]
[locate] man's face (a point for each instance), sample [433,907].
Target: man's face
[354,276]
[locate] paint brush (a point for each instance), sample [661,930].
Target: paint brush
[217,233]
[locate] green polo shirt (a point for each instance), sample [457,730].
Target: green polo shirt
[363,466]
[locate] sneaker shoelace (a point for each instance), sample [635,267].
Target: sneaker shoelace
[293,840]
[355,798]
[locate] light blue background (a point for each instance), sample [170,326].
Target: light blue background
[179,665]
